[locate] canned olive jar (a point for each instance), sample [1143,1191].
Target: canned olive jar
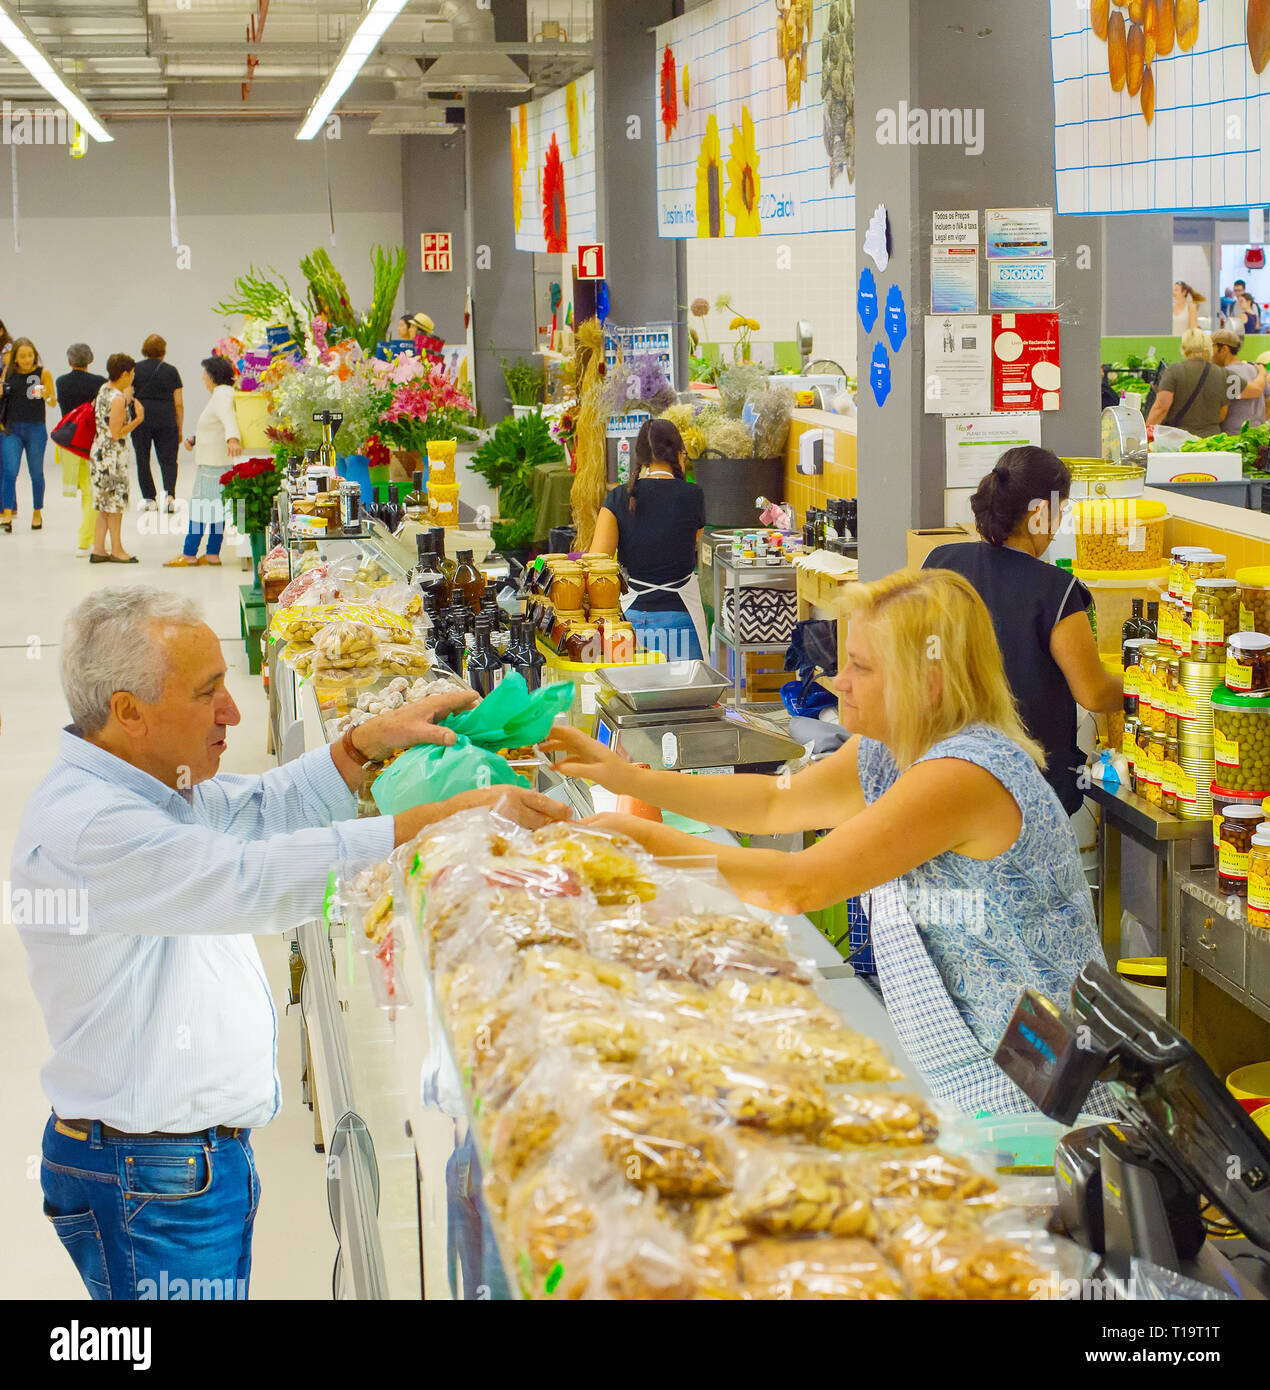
[1206,565]
[1177,557]
[1241,741]
[1248,663]
[1234,847]
[1259,879]
[1254,598]
[1169,777]
[1214,616]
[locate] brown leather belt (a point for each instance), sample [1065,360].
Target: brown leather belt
[81,1129]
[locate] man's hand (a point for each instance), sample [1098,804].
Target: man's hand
[519,804]
[588,759]
[411,724]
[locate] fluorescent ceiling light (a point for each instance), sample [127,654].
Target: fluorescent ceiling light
[375,24]
[24,46]
[477,72]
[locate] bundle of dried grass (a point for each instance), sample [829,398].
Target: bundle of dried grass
[590,481]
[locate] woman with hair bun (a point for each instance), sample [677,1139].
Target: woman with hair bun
[653,524]
[1038,610]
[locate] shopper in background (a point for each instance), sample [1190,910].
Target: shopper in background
[157,385]
[167,871]
[1245,383]
[1039,612]
[215,443]
[117,415]
[940,805]
[1192,394]
[28,392]
[414,327]
[1185,312]
[6,343]
[76,388]
[1248,305]
[653,524]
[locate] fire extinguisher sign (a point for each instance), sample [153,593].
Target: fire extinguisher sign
[591,262]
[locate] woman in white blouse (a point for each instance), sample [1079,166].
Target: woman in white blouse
[215,443]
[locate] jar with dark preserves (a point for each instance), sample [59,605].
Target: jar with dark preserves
[1234,847]
[563,623]
[583,643]
[1248,663]
[1214,614]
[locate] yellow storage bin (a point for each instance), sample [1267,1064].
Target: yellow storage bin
[1119,533]
[441,460]
[443,503]
[1250,1082]
[251,409]
[587,685]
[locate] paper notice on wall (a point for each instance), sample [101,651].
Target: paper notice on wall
[1026,362]
[958,364]
[960,227]
[1021,284]
[972,447]
[954,279]
[1015,233]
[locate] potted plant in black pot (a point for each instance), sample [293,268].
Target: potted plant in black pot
[744,446]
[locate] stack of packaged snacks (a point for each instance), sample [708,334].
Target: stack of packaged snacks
[665,1107]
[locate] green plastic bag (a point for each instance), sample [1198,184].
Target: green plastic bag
[510,717]
[431,773]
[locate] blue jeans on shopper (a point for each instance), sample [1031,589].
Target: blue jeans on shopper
[33,438]
[469,1237]
[215,538]
[167,1217]
[669,631]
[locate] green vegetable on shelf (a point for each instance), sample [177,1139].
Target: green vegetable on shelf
[1250,443]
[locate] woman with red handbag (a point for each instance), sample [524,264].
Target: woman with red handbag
[77,387]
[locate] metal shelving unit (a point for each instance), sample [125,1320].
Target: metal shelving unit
[730,577]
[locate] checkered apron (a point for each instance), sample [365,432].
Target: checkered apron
[930,1028]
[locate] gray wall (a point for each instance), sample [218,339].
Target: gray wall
[434,199]
[644,270]
[936,58]
[1137,274]
[96,261]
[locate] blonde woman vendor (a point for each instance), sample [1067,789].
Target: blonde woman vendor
[653,524]
[942,813]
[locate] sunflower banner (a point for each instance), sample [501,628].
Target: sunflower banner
[553,169]
[756,119]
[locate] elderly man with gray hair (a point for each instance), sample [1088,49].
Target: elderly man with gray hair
[74,389]
[162,1025]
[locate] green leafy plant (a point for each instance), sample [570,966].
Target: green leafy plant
[267,297]
[513,535]
[387,270]
[508,458]
[250,488]
[526,380]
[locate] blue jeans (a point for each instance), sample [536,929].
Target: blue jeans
[215,538]
[33,437]
[670,632]
[469,1238]
[155,1218]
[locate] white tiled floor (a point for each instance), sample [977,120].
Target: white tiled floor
[41,580]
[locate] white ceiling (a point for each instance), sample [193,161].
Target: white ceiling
[137,57]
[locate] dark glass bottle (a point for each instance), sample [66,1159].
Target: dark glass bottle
[484,665]
[467,581]
[523,655]
[450,642]
[1134,624]
[1152,627]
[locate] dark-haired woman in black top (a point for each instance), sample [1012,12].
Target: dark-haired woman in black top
[1038,610]
[653,525]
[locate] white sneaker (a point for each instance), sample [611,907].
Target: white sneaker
[81,553]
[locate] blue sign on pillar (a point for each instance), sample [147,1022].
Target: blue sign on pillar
[602,300]
[896,318]
[880,374]
[867,299]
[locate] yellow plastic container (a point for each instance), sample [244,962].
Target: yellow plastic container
[441,460]
[251,410]
[1113,593]
[443,503]
[1250,1082]
[1147,977]
[1120,533]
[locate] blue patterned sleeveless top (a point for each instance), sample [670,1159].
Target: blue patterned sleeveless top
[995,926]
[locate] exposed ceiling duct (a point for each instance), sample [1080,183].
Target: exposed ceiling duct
[475,72]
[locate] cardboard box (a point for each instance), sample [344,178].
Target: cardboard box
[921,543]
[1194,468]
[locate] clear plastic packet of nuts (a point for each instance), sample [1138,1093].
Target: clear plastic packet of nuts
[785,1189]
[534,905]
[858,1116]
[367,900]
[345,643]
[682,1148]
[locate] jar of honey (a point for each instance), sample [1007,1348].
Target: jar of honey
[568,587]
[603,585]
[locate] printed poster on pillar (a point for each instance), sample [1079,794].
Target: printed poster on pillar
[553,169]
[1026,367]
[1160,105]
[754,107]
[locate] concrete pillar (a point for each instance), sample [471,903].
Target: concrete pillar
[502,278]
[994,60]
[1137,274]
[645,272]
[434,199]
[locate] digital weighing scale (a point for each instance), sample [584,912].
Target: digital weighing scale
[669,716]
